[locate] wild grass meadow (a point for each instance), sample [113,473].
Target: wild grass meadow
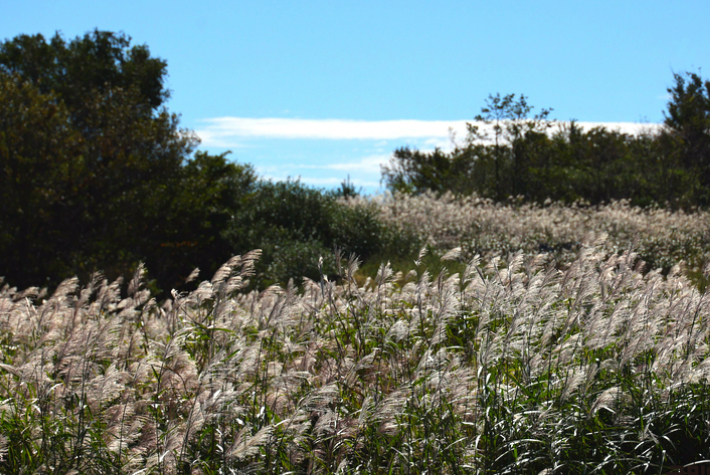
[523,339]
[533,301]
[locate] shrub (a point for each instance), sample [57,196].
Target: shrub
[295,225]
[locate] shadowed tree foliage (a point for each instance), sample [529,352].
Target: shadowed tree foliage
[688,123]
[496,164]
[212,189]
[414,171]
[516,141]
[100,62]
[40,181]
[295,225]
[94,168]
[97,175]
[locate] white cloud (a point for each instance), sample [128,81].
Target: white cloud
[444,144]
[362,166]
[232,131]
[223,129]
[370,164]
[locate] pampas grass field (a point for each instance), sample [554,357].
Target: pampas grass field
[544,345]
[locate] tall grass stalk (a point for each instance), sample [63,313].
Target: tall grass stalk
[516,365]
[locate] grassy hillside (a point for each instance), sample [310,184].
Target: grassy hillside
[662,238]
[548,359]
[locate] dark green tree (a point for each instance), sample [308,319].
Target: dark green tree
[40,178]
[99,135]
[99,62]
[212,190]
[515,138]
[495,161]
[515,155]
[688,123]
[414,171]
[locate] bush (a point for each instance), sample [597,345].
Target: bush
[294,225]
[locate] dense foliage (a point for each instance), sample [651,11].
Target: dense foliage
[95,174]
[295,226]
[91,164]
[527,158]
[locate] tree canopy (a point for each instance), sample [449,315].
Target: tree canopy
[688,123]
[99,62]
[91,162]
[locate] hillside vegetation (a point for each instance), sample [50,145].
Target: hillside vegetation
[661,237]
[534,304]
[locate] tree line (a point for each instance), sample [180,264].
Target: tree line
[526,157]
[97,175]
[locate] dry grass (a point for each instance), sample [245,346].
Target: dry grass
[480,226]
[512,367]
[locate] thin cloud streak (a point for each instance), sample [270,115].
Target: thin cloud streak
[369,164]
[329,129]
[233,131]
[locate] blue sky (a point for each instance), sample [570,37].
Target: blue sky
[325,89]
